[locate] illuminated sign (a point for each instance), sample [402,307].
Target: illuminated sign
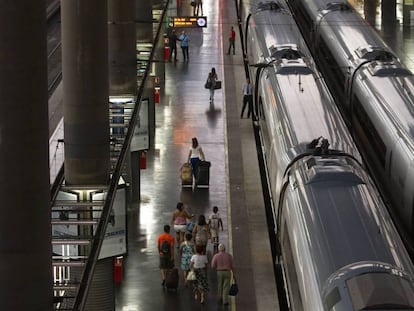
[190,21]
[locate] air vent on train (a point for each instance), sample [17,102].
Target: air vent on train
[337,6]
[381,69]
[264,6]
[285,51]
[288,67]
[374,53]
[331,170]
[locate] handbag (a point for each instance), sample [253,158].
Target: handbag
[192,3]
[234,289]
[191,276]
[208,84]
[217,85]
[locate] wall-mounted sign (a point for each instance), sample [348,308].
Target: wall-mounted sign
[189,21]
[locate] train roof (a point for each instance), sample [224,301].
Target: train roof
[276,31]
[343,218]
[357,40]
[293,87]
[295,96]
[396,103]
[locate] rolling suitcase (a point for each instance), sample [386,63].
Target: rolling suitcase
[203,174]
[186,175]
[172,279]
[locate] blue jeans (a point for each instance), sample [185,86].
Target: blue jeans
[194,164]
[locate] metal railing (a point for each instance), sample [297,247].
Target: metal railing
[90,260]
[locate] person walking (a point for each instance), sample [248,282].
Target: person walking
[172,42]
[179,221]
[195,154]
[187,250]
[166,251]
[198,8]
[247,98]
[215,222]
[223,263]
[199,263]
[211,82]
[201,233]
[184,38]
[232,40]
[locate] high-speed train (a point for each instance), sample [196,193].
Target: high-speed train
[338,247]
[375,93]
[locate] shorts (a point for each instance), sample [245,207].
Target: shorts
[180,228]
[166,262]
[214,233]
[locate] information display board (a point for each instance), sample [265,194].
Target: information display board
[189,21]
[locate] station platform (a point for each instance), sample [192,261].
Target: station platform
[228,143]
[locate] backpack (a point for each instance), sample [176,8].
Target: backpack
[201,235]
[165,247]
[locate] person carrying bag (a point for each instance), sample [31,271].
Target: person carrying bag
[212,83]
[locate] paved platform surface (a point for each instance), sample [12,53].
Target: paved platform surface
[228,143]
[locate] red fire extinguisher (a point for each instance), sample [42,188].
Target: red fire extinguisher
[143,160]
[118,269]
[156,95]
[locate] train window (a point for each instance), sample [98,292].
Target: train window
[366,130]
[381,291]
[333,298]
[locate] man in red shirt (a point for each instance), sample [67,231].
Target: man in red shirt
[166,251]
[232,39]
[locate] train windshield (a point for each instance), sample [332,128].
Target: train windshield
[381,291]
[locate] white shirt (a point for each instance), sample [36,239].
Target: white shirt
[247,89]
[195,152]
[199,261]
[214,218]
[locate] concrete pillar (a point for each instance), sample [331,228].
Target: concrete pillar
[25,228]
[122,47]
[370,11]
[135,178]
[86,114]
[389,12]
[408,12]
[144,20]
[85,91]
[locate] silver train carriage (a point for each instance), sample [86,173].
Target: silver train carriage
[293,101]
[375,93]
[338,246]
